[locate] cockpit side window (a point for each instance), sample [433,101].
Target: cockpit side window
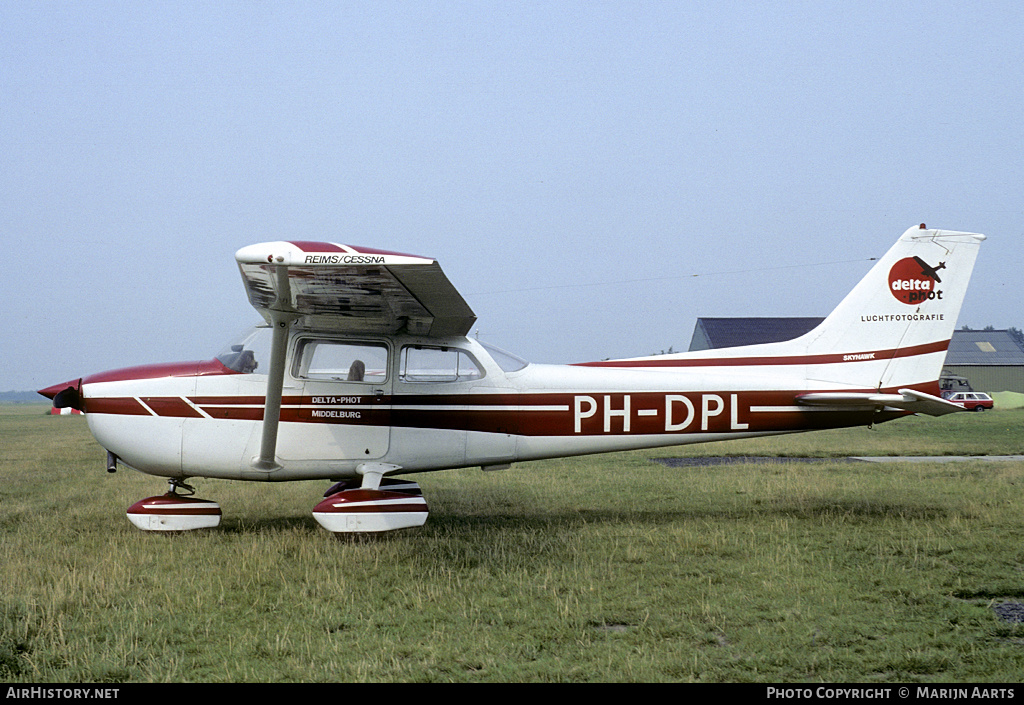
[341,361]
[437,364]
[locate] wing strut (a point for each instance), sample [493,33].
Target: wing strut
[281,321]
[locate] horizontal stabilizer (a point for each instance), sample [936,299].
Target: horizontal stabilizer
[907,400]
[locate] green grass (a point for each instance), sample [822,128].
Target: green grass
[608,568]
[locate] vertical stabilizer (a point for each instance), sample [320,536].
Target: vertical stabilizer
[903,311]
[890,333]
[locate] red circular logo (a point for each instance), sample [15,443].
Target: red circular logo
[912,281]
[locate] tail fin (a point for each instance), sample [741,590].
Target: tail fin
[890,334]
[900,316]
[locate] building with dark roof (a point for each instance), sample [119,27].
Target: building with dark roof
[730,332]
[991,360]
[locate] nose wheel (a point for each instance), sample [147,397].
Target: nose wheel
[176,510]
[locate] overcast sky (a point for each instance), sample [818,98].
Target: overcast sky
[572,165]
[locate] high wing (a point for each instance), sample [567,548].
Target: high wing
[332,287]
[329,287]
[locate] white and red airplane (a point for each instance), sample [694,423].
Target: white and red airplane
[364,371]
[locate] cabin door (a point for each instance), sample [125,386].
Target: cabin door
[344,409]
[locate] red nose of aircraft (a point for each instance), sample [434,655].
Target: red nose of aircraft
[66,394]
[69,394]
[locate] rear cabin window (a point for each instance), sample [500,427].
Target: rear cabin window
[342,362]
[429,364]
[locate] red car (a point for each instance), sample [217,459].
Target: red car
[973,401]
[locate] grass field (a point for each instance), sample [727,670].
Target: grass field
[608,568]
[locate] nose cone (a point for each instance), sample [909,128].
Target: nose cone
[66,394]
[51,392]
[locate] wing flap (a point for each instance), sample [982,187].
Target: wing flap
[353,290]
[907,400]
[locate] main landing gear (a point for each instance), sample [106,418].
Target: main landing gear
[349,508]
[373,504]
[370,505]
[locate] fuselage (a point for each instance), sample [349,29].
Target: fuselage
[427,404]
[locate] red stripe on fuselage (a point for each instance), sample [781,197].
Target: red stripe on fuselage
[121,406]
[175,407]
[631,413]
[866,356]
[587,413]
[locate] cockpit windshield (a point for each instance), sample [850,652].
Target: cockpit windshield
[249,352]
[504,359]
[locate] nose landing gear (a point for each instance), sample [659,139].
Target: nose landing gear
[177,510]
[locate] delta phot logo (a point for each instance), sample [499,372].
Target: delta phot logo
[913,281]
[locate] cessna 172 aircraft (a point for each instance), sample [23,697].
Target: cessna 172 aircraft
[364,372]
